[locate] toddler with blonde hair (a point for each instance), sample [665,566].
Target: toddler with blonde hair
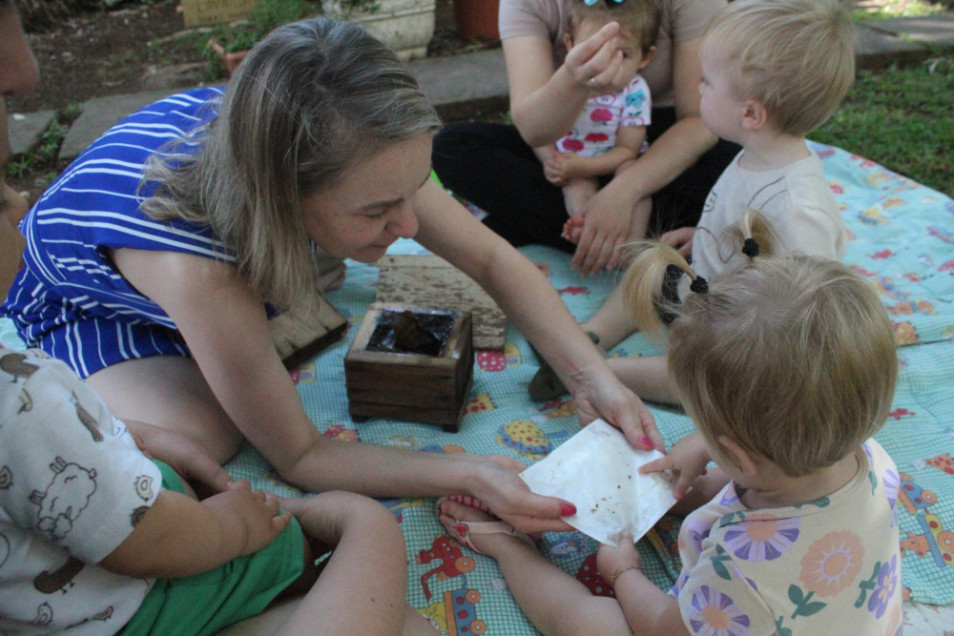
[772,71]
[787,368]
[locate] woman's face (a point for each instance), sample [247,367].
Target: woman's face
[371,205]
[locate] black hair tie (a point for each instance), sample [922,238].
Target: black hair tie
[670,295]
[750,248]
[699,285]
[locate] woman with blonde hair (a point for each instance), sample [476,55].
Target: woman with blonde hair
[154,260]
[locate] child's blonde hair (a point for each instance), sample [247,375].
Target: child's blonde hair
[638,18]
[792,358]
[796,57]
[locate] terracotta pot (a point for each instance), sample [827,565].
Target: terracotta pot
[477,19]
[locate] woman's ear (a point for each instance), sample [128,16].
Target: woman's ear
[754,115]
[738,456]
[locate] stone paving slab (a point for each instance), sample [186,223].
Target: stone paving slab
[101,114]
[934,29]
[26,129]
[473,84]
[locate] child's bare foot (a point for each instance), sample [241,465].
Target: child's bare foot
[478,530]
[573,229]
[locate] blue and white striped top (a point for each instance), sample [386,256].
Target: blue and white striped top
[69,300]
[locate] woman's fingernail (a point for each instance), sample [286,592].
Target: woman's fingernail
[645,441]
[567,510]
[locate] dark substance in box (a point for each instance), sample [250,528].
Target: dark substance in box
[409,332]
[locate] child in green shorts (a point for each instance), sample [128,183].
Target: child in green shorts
[97,538]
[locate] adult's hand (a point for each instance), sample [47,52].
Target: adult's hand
[599,394]
[605,229]
[184,455]
[499,486]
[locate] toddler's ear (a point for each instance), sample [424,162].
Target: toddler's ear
[754,116]
[648,57]
[738,456]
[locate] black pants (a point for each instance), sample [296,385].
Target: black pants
[491,166]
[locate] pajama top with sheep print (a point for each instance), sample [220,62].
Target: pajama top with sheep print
[73,485]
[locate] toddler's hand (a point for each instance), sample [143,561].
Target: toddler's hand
[558,168]
[612,562]
[680,239]
[596,63]
[253,512]
[687,460]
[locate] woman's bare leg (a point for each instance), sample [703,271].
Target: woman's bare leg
[369,562]
[168,392]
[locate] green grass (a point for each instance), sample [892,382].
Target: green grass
[898,9]
[902,118]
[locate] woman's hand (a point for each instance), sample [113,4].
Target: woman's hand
[595,64]
[184,455]
[687,460]
[605,230]
[680,239]
[501,489]
[600,395]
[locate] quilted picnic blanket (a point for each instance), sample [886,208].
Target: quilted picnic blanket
[901,240]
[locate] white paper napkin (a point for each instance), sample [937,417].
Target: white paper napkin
[596,471]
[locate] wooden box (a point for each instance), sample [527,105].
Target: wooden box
[386,379]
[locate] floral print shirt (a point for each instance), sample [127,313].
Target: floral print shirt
[800,569]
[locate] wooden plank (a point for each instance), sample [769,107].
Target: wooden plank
[299,334]
[206,12]
[430,281]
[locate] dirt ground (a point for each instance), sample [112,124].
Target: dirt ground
[134,47]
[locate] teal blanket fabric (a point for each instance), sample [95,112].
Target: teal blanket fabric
[901,240]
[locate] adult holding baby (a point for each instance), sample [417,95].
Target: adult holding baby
[151,261]
[499,167]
